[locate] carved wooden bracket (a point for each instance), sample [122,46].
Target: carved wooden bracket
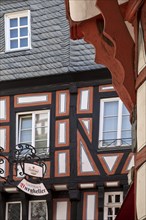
[113,45]
[120,59]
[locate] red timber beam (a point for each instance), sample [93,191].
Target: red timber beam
[113,45]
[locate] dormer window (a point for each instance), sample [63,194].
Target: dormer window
[17,31]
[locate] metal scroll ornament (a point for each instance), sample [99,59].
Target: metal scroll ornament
[26,154]
[3,158]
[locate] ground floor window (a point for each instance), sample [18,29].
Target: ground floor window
[38,210]
[13,211]
[112,204]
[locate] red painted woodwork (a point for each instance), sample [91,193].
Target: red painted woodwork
[124,170]
[7,138]
[113,45]
[105,165]
[141,78]
[140,158]
[91,160]
[132,9]
[7,100]
[127,209]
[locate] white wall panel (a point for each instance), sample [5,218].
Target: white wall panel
[32,99]
[61,210]
[62,133]
[141,192]
[84,104]
[91,199]
[141,116]
[62,162]
[3,138]
[2,109]
[62,103]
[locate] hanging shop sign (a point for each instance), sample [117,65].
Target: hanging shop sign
[32,189]
[33,170]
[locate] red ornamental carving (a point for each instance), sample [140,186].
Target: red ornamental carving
[113,44]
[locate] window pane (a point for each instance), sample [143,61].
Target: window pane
[13,44]
[117,198]
[41,120]
[14,211]
[125,111]
[38,211]
[23,32]
[26,123]
[25,136]
[13,33]
[110,198]
[126,135]
[23,21]
[126,123]
[110,218]
[110,136]
[24,42]
[14,22]
[111,108]
[110,124]
[41,146]
[116,210]
[110,211]
[41,133]
[126,138]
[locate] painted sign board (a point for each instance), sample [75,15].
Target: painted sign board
[33,170]
[32,189]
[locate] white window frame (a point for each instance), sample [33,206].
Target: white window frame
[29,213]
[33,113]
[7,204]
[7,29]
[111,205]
[119,127]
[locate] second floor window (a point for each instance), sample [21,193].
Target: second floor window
[34,128]
[115,127]
[17,30]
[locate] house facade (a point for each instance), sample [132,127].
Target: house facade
[117,31]
[55,98]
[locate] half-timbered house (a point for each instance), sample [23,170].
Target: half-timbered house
[56,99]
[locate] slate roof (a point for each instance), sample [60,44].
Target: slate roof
[52,50]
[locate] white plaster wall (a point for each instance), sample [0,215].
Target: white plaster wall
[2,109]
[3,137]
[91,207]
[61,210]
[141,193]
[84,9]
[141,117]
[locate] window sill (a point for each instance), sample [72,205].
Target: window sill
[115,148]
[18,50]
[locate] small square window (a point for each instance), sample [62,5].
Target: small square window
[17,31]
